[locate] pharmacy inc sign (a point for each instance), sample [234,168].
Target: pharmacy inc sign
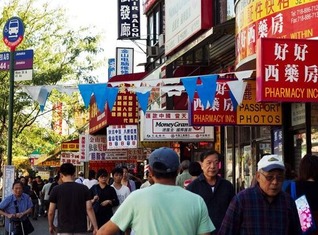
[13,32]
[287,70]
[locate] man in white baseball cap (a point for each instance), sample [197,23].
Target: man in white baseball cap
[264,208]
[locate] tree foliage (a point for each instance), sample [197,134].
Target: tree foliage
[61,54]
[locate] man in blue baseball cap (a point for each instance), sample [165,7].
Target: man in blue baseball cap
[163,208]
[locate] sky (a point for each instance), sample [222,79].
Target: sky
[102,14]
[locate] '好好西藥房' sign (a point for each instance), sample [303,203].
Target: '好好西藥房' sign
[287,70]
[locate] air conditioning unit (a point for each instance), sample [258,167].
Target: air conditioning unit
[152,51]
[161,40]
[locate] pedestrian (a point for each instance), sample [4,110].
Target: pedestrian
[307,183]
[122,191]
[263,209]
[73,202]
[26,187]
[194,170]
[16,206]
[80,178]
[104,198]
[216,191]
[148,182]
[127,181]
[45,193]
[185,175]
[163,208]
[91,179]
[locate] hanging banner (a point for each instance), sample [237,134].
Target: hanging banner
[287,70]
[128,19]
[172,125]
[122,136]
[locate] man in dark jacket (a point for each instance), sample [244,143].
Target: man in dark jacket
[215,191]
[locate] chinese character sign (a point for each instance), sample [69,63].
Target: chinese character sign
[122,136]
[128,19]
[71,157]
[111,67]
[97,147]
[257,19]
[221,112]
[287,70]
[124,60]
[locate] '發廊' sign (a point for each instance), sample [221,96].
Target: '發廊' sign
[287,70]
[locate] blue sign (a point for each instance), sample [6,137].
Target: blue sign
[13,32]
[22,60]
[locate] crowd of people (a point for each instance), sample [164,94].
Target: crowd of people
[176,198]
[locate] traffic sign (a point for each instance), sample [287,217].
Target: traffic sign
[23,60]
[13,32]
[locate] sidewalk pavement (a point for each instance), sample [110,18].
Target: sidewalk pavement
[41,227]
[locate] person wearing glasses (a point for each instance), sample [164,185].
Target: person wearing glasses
[264,208]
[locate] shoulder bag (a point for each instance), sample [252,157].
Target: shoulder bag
[21,226]
[307,222]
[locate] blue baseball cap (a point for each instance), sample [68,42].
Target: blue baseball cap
[168,159]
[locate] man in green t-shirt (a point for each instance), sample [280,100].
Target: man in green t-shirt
[163,208]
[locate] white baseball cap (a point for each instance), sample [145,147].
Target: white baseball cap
[271,162]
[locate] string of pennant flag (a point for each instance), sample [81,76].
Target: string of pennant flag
[104,93]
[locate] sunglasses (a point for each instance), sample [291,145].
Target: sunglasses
[270,178]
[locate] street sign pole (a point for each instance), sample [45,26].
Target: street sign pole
[13,33]
[11,93]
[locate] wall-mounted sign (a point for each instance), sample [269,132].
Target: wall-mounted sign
[287,70]
[172,126]
[184,19]
[124,60]
[122,136]
[221,113]
[71,157]
[275,19]
[250,112]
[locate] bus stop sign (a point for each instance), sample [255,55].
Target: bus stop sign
[13,32]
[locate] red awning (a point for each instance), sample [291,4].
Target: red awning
[128,77]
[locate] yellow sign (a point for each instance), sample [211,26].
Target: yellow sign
[248,12]
[250,112]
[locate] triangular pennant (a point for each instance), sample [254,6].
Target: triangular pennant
[111,96]
[243,74]
[209,83]
[204,94]
[86,93]
[43,95]
[100,94]
[32,91]
[237,88]
[143,100]
[234,102]
[190,85]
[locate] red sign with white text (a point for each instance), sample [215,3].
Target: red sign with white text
[287,70]
[221,113]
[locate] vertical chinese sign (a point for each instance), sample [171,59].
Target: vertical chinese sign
[287,70]
[124,60]
[128,19]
